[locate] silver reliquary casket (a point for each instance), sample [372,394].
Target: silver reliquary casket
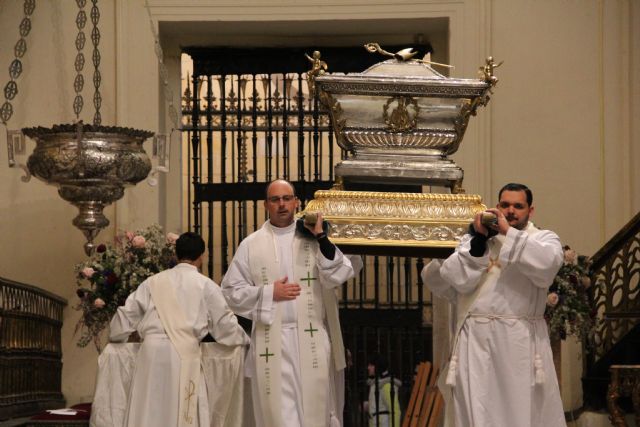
[399,120]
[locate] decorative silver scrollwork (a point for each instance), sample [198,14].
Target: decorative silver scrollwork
[91,165]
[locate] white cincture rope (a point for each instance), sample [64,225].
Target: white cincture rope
[537,360]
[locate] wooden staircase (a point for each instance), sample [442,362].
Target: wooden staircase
[615,297]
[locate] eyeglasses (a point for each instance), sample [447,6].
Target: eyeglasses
[286,198]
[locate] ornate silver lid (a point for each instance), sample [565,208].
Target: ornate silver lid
[400,119]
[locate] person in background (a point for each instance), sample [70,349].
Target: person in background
[383,390]
[172,311]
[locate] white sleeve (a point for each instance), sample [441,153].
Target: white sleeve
[222,324]
[128,316]
[538,256]
[462,270]
[437,285]
[244,298]
[356,262]
[335,272]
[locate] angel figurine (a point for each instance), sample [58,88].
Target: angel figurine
[318,67]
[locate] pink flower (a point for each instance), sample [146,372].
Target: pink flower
[570,257]
[552,299]
[129,235]
[138,242]
[87,272]
[171,238]
[99,303]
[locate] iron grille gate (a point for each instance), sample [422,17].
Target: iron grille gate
[249,119]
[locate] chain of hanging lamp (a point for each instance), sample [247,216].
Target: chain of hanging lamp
[20,48]
[15,69]
[78,83]
[97,77]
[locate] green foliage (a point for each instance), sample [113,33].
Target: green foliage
[568,310]
[114,271]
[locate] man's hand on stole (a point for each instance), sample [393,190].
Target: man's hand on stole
[284,291]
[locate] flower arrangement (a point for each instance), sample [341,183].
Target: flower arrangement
[568,311]
[115,270]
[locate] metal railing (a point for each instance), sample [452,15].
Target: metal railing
[30,349]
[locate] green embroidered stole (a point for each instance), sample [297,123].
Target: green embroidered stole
[314,369]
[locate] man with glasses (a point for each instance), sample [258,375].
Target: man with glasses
[283,277]
[501,371]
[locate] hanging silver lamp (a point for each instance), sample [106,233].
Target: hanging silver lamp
[91,165]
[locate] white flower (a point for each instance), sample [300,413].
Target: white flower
[88,272]
[570,257]
[171,238]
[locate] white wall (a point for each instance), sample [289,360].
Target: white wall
[563,118]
